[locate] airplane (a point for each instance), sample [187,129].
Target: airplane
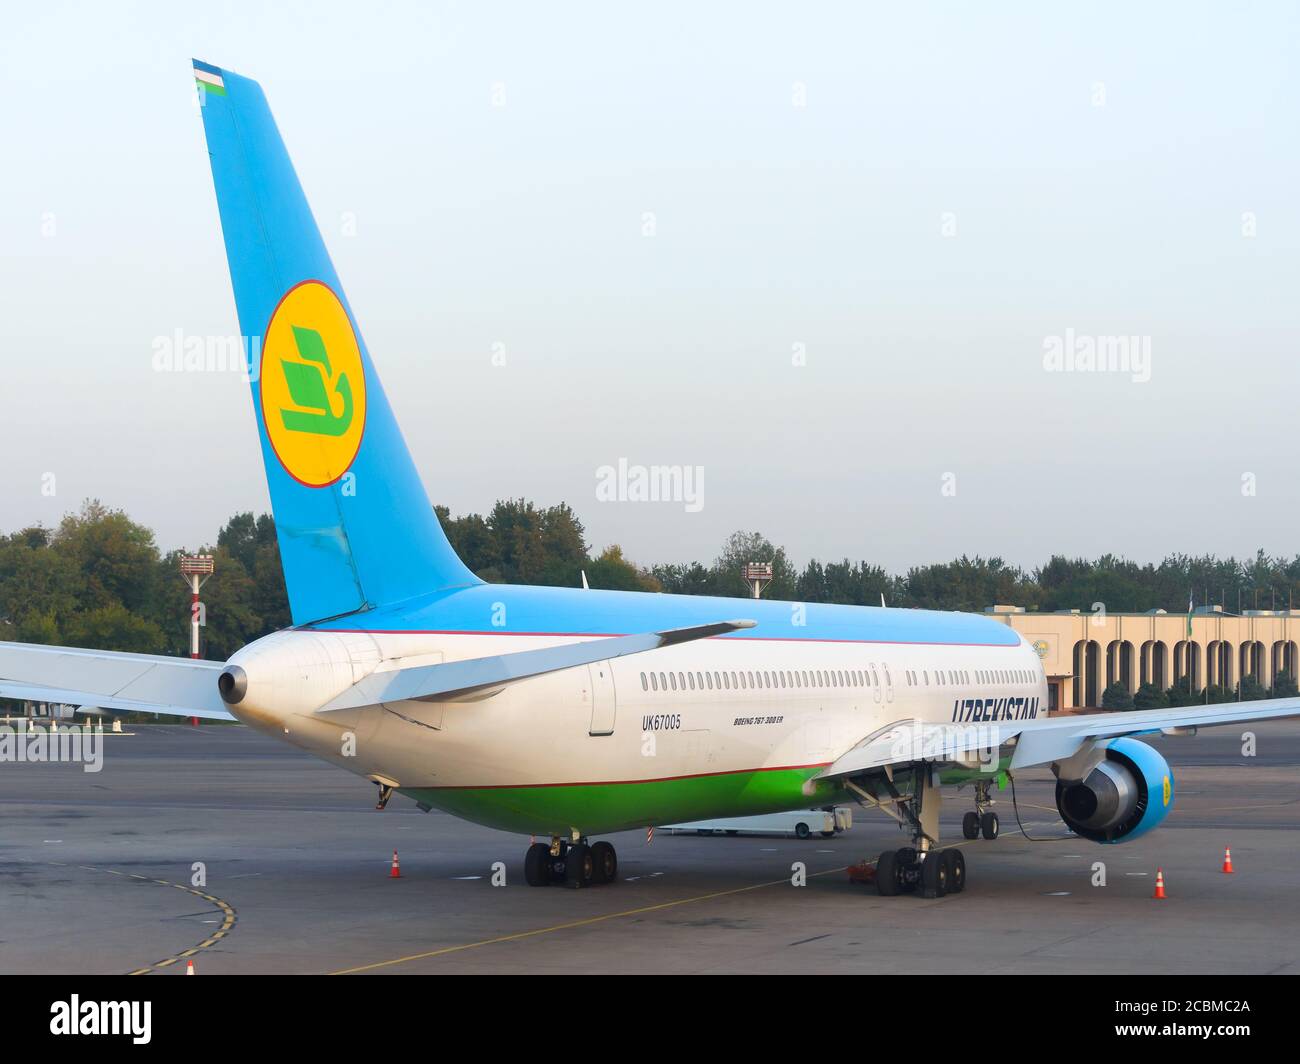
[568,713]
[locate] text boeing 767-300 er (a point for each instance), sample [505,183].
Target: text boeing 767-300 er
[567,713]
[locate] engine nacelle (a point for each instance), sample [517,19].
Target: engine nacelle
[1126,795]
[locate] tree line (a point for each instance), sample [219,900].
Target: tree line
[98,579]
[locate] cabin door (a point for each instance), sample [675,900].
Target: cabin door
[604,704]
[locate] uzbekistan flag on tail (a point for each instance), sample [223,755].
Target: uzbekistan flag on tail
[208,78]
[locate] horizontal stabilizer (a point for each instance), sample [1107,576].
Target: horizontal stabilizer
[459,679]
[144,683]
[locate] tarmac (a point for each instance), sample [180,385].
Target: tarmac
[220,846]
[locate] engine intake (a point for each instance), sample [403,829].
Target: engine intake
[1126,795]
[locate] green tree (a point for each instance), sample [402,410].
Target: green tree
[252,543]
[114,627]
[1181,693]
[968,584]
[687,579]
[611,571]
[1251,690]
[38,586]
[116,559]
[1284,685]
[1149,696]
[1116,696]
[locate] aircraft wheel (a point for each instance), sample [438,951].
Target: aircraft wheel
[956,862]
[579,868]
[989,826]
[889,874]
[537,865]
[906,858]
[934,875]
[970,825]
[604,862]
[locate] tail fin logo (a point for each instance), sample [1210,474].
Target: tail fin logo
[313,385]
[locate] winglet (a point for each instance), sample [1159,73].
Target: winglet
[702,631]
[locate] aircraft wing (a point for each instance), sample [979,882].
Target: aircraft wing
[459,679]
[1037,742]
[147,683]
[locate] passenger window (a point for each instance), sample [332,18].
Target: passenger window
[644,686]
[653,682]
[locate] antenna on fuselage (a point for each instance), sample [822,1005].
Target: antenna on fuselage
[585,585]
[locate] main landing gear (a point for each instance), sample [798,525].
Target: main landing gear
[575,864]
[981,820]
[922,866]
[935,873]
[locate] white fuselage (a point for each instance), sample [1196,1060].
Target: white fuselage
[708,707]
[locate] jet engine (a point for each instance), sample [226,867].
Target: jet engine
[1129,792]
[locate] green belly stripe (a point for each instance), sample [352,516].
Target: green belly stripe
[597,808]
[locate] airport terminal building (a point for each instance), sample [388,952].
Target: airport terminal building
[1083,653]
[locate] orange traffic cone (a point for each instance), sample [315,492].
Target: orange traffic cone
[1160,884]
[189,966]
[396,872]
[1227,860]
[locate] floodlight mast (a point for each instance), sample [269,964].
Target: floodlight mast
[195,570]
[757,575]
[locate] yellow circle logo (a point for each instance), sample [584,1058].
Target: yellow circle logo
[313,386]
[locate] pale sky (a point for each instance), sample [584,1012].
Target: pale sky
[919,195]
